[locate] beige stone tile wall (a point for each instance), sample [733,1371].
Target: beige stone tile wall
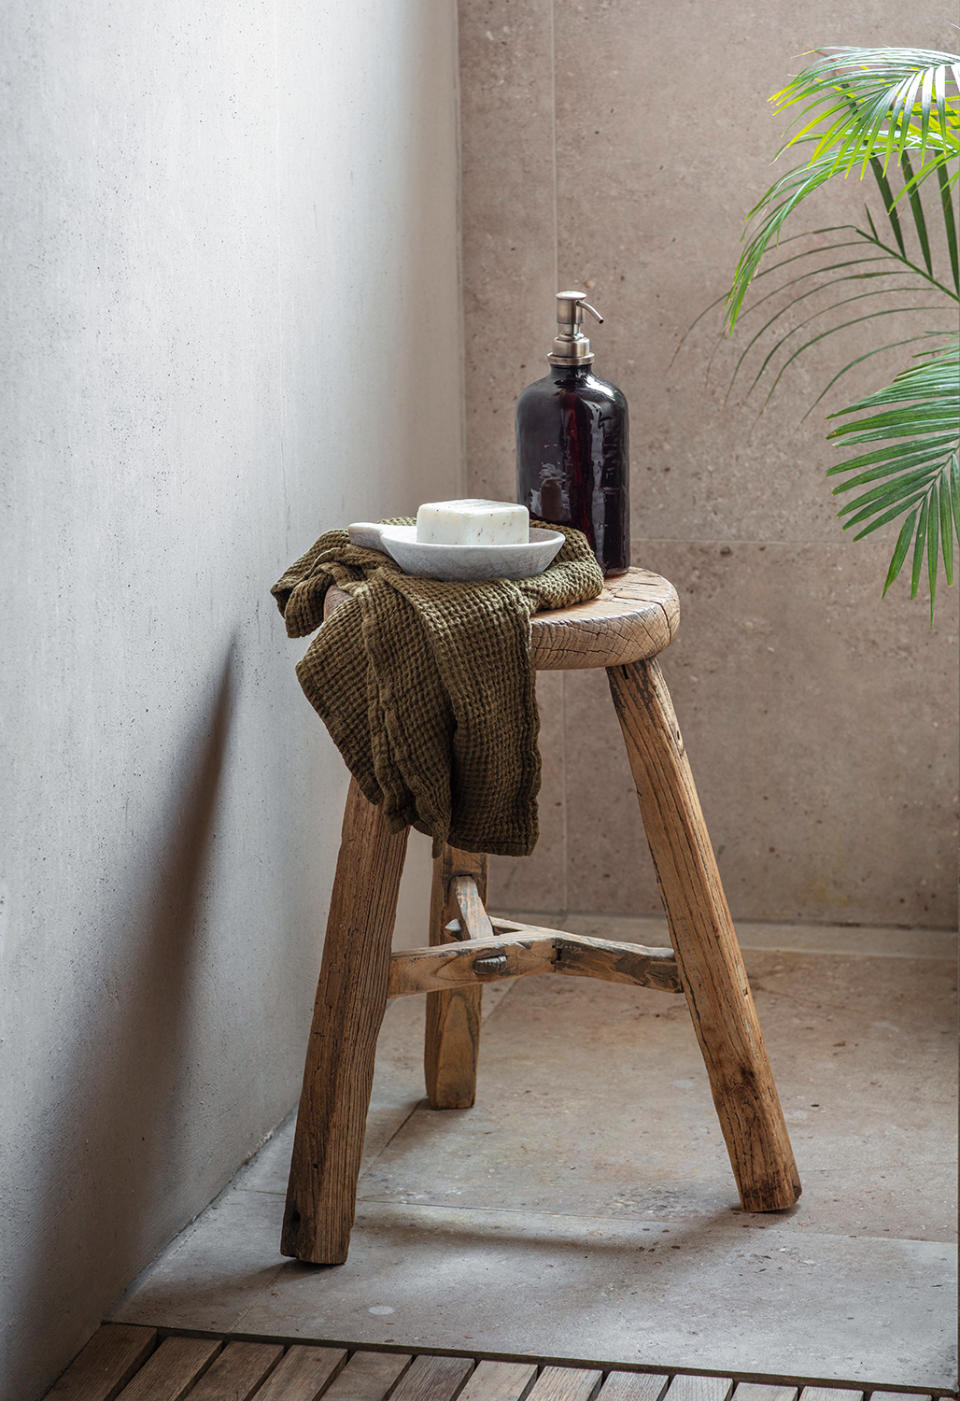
[618,146]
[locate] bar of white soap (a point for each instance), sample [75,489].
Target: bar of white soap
[473,523]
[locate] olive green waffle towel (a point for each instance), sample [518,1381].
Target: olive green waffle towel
[427,687]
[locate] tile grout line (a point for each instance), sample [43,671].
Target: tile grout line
[664,1224]
[772,943]
[553,143]
[365,1167]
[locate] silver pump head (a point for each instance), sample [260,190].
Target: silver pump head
[570,345]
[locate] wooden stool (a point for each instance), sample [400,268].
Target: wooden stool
[634,619]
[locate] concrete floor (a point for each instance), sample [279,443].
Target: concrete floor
[584,1209]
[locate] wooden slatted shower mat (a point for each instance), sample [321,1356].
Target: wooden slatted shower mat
[126,1362]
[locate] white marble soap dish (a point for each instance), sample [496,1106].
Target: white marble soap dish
[517,561]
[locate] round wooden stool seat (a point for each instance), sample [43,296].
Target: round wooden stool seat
[635,617]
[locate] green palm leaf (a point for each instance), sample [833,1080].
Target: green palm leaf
[883,102]
[916,417]
[895,112]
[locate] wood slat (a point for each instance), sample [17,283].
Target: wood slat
[896,1396]
[368,1376]
[565,1384]
[433,1379]
[689,1388]
[634,1386]
[170,1373]
[237,1372]
[105,1365]
[122,1362]
[840,1393]
[501,1381]
[302,1374]
[757,1391]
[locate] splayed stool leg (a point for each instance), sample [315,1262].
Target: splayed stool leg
[708,955]
[338,1074]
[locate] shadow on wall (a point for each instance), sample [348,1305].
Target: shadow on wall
[122,1107]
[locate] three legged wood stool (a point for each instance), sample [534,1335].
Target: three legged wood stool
[633,620]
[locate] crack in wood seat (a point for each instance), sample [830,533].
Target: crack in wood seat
[635,617]
[623,630]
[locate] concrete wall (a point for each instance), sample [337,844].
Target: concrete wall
[618,146]
[231,319]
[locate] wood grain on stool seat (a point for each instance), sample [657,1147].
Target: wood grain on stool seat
[635,617]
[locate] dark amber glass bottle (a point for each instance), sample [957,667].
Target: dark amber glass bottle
[573,445]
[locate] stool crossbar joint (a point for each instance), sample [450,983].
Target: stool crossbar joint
[518,950]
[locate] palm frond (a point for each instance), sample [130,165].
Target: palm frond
[895,112]
[915,472]
[949,226]
[877,102]
[816,339]
[877,106]
[777,204]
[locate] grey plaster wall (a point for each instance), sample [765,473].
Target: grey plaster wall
[231,319]
[618,146]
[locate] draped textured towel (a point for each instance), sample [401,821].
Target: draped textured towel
[427,687]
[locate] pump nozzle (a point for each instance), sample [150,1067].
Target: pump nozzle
[571,346]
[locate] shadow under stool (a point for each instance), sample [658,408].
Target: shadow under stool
[623,631]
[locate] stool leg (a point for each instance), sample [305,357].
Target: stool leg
[452,1040]
[338,1074]
[708,954]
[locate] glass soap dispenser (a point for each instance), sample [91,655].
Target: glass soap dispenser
[572,443]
